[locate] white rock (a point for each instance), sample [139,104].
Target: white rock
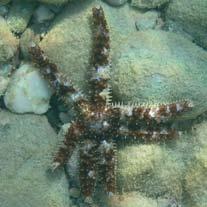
[27,91]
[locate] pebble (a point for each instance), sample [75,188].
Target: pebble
[43,13]
[74,192]
[116,2]
[4,2]
[27,91]
[3,10]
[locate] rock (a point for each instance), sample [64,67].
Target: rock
[191,16]
[133,199]
[26,39]
[148,4]
[27,143]
[149,169]
[3,84]
[5,72]
[57,2]
[148,20]
[8,43]
[155,66]
[19,15]
[27,91]
[74,192]
[74,42]
[195,179]
[4,2]
[3,10]
[116,2]
[42,14]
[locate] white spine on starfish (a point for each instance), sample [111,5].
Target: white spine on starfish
[102,72]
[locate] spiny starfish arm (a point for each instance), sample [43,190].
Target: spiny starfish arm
[107,165]
[66,149]
[159,113]
[60,83]
[100,57]
[148,135]
[88,168]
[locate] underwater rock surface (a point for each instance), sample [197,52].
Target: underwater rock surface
[149,20]
[57,2]
[132,199]
[27,144]
[27,91]
[195,179]
[191,16]
[150,169]
[155,67]
[8,43]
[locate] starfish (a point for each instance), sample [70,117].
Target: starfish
[99,124]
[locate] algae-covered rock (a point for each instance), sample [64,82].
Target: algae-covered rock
[69,41]
[132,199]
[8,43]
[25,41]
[116,2]
[195,180]
[191,16]
[20,14]
[27,91]
[27,143]
[57,2]
[149,20]
[160,67]
[4,2]
[149,169]
[148,4]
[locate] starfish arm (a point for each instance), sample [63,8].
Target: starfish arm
[60,83]
[159,113]
[88,168]
[65,151]
[100,58]
[108,164]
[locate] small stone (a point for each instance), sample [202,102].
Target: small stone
[42,14]
[116,2]
[27,91]
[147,21]
[74,192]
[3,10]
[148,4]
[27,145]
[19,15]
[4,2]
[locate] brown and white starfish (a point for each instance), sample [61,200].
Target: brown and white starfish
[99,123]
